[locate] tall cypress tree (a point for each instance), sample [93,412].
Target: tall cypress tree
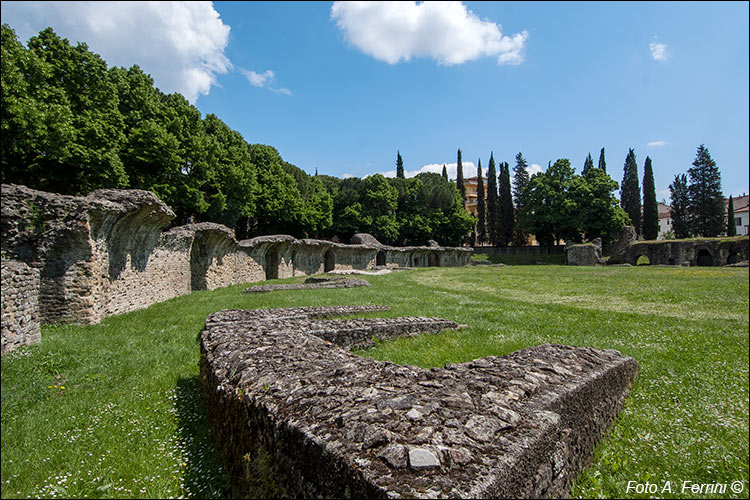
[520,181]
[481,209]
[602,163]
[445,172]
[460,177]
[588,164]
[507,216]
[493,206]
[680,200]
[650,208]
[399,166]
[706,199]
[731,226]
[630,192]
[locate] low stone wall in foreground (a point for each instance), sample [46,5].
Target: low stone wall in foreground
[297,415]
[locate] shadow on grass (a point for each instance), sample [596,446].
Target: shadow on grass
[204,476]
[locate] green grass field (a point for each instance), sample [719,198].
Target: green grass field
[114,410]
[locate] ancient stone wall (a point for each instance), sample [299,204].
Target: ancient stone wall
[108,253]
[297,415]
[20,305]
[693,252]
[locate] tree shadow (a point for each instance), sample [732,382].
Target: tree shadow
[204,475]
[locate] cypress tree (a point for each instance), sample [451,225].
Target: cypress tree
[445,173]
[630,192]
[650,208]
[460,178]
[481,217]
[399,166]
[520,181]
[706,199]
[493,206]
[507,217]
[731,226]
[602,163]
[680,200]
[588,164]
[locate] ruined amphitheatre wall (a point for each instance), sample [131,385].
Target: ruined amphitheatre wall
[110,253]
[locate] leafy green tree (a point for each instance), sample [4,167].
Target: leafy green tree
[588,164]
[492,204]
[630,192]
[650,207]
[380,203]
[680,201]
[706,198]
[460,177]
[481,207]
[279,204]
[731,225]
[597,210]
[602,163]
[507,212]
[520,181]
[399,165]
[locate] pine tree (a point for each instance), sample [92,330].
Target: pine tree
[650,208]
[731,226]
[630,192]
[445,172]
[587,164]
[520,181]
[602,163]
[399,166]
[680,200]
[460,178]
[493,205]
[706,199]
[481,209]
[507,216]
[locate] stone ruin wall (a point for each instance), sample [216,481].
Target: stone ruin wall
[108,253]
[20,307]
[296,415]
[690,252]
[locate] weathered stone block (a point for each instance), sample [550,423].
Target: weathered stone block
[288,402]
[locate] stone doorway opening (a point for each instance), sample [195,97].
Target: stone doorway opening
[272,263]
[380,258]
[329,261]
[704,258]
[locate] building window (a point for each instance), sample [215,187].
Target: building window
[738,221]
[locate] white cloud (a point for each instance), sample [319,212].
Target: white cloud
[659,51]
[657,144]
[445,31]
[180,44]
[264,80]
[534,169]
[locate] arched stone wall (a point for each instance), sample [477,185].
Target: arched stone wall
[717,251]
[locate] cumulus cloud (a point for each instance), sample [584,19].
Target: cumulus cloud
[534,169]
[437,168]
[180,44]
[659,51]
[445,31]
[657,144]
[264,80]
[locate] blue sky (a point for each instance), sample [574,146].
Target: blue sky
[341,87]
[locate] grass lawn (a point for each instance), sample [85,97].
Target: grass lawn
[114,410]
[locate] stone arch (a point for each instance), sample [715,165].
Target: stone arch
[704,258]
[639,262]
[380,258]
[734,255]
[329,261]
[272,263]
[433,260]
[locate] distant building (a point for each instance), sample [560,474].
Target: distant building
[470,185]
[741,216]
